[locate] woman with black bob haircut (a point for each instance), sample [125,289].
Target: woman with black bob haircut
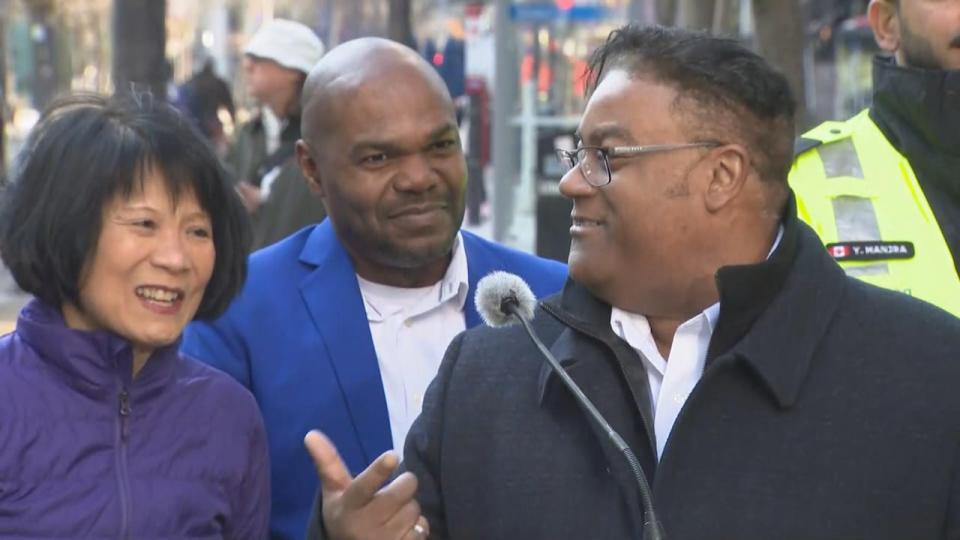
[120,222]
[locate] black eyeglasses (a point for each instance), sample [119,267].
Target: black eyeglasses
[594,161]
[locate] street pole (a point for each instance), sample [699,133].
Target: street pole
[504,134]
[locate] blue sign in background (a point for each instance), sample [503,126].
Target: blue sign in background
[550,12]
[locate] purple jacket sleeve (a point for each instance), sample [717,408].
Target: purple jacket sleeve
[251,498]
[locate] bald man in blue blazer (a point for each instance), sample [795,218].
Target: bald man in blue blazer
[341,326]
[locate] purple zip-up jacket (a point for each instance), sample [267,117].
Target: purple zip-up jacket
[88,452]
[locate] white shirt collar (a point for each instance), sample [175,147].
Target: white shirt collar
[455,281]
[776,242]
[453,287]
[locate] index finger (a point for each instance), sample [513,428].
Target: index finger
[333,473]
[362,490]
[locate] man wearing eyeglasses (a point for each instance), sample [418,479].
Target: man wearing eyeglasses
[765,393]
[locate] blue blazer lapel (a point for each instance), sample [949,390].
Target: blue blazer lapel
[333,299]
[479,264]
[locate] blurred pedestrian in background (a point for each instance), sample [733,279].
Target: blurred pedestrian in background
[276,62]
[121,224]
[203,96]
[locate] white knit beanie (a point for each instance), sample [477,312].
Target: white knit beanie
[288,43]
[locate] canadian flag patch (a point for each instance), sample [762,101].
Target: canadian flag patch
[839,252]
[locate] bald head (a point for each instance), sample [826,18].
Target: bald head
[382,150]
[361,65]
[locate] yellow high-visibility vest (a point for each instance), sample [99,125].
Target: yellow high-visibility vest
[862,197]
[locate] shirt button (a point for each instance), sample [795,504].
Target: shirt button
[408,323]
[679,398]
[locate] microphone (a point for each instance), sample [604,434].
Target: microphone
[502,299]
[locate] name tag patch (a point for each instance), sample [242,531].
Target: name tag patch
[870,251]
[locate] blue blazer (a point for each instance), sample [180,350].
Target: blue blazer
[297,336]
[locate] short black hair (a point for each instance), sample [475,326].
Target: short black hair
[85,150]
[726,89]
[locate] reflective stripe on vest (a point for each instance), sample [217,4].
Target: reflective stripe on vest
[862,198]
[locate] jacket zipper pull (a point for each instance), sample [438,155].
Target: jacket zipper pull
[124,403]
[124,411]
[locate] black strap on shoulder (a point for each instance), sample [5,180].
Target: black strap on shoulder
[802,144]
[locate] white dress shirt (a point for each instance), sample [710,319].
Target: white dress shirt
[411,329]
[672,379]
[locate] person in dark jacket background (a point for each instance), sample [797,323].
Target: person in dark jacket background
[765,393]
[202,98]
[120,222]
